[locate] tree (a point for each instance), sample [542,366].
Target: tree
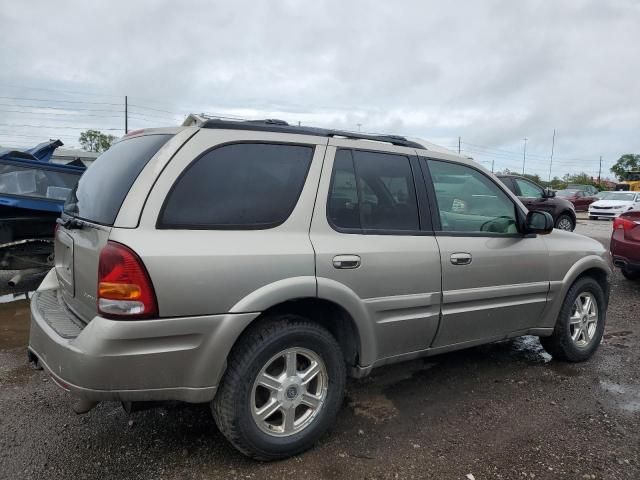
[95,141]
[628,161]
[557,184]
[579,179]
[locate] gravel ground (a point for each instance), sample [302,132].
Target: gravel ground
[503,411]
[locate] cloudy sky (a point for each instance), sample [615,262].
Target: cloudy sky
[491,72]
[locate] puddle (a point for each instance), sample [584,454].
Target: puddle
[525,348]
[14,324]
[626,397]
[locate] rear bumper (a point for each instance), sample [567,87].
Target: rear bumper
[625,263]
[142,360]
[625,253]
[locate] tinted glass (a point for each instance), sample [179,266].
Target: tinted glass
[386,191]
[468,201]
[508,181]
[103,187]
[528,189]
[342,207]
[382,198]
[248,185]
[36,182]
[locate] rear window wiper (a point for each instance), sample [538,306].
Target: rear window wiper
[70,223]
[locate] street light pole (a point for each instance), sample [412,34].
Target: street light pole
[553,143]
[524,155]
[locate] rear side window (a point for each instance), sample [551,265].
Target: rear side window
[238,186]
[104,186]
[372,191]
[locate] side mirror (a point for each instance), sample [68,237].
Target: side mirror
[548,193]
[539,222]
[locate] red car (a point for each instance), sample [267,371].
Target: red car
[625,244]
[581,199]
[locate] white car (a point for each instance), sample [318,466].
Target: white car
[613,204]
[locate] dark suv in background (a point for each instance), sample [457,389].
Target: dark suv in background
[537,198]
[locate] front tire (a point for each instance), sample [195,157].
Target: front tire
[580,324]
[565,222]
[283,388]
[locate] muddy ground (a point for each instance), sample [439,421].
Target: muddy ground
[503,411]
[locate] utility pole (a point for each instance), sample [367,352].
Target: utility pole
[553,143]
[359,125]
[524,154]
[459,144]
[600,170]
[126,116]
[493,162]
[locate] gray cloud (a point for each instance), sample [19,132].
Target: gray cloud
[492,72]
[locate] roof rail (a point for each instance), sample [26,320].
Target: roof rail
[280,126]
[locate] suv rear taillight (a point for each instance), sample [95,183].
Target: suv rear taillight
[124,287]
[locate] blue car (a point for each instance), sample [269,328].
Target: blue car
[32,193]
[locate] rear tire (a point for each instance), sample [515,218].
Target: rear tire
[269,370]
[565,222]
[630,274]
[592,218]
[574,339]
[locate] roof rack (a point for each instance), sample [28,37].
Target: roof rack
[280,126]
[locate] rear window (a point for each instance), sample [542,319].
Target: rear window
[104,186]
[238,186]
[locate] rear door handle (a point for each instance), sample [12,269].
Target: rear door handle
[346,261]
[461,258]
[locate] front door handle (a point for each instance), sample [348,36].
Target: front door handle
[346,261]
[461,258]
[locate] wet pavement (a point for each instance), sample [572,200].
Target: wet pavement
[502,411]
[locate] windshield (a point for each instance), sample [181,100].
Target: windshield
[566,193]
[36,182]
[624,196]
[104,186]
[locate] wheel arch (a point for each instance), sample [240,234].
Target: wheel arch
[592,266]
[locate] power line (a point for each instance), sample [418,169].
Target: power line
[60,113]
[57,90]
[59,108]
[51,126]
[82,102]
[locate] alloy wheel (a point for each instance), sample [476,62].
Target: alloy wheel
[583,321]
[289,392]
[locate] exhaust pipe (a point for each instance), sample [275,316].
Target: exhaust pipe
[22,274]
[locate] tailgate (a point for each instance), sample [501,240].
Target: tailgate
[77,252]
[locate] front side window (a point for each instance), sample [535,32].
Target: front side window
[468,201]
[241,186]
[372,191]
[528,189]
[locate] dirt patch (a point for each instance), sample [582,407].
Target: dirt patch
[14,324]
[377,408]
